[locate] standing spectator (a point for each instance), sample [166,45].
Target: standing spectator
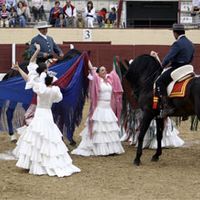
[10,4]
[112,16]
[61,21]
[101,17]
[70,13]
[37,9]
[4,14]
[54,13]
[13,17]
[90,14]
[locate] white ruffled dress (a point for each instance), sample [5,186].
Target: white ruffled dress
[40,147]
[105,133]
[170,137]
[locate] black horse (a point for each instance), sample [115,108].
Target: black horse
[13,73]
[141,75]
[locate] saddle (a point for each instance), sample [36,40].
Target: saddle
[181,78]
[177,87]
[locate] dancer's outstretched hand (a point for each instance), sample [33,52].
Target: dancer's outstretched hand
[15,66]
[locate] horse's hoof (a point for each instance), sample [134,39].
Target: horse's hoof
[13,138]
[155,159]
[137,162]
[72,143]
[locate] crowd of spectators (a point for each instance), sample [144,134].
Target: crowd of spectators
[19,13]
[195,11]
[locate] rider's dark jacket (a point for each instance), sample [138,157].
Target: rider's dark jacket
[180,53]
[47,45]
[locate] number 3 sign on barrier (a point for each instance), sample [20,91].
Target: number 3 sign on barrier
[87,35]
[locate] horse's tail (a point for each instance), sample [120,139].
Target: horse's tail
[195,91]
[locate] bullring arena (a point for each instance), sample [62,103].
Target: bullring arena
[175,177]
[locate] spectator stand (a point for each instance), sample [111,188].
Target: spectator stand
[186,18]
[79,5]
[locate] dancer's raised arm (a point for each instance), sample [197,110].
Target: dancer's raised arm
[34,56]
[23,74]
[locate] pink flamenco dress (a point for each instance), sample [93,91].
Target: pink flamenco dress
[40,147]
[100,137]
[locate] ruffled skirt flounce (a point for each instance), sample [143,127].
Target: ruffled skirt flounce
[40,147]
[105,134]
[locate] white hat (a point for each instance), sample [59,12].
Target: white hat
[42,24]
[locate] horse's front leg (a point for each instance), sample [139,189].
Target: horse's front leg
[159,134]
[146,120]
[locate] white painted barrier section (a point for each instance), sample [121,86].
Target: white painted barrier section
[13,53]
[2,75]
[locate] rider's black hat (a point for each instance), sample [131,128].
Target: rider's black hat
[178,27]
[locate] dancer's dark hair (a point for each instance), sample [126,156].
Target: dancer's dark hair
[48,80]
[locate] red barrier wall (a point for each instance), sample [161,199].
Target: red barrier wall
[5,57]
[101,54]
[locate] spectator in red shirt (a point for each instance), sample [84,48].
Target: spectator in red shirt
[101,17]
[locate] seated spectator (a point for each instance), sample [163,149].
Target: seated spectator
[195,7]
[2,2]
[4,15]
[54,13]
[61,21]
[10,4]
[89,15]
[101,17]
[80,23]
[37,10]
[22,14]
[28,12]
[112,16]
[70,13]
[108,24]
[195,11]
[13,17]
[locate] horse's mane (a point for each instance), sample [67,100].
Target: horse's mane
[69,55]
[143,71]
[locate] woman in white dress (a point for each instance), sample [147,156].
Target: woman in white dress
[40,147]
[170,134]
[100,137]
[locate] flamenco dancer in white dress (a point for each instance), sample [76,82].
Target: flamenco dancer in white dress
[40,147]
[100,137]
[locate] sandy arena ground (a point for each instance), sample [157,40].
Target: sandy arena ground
[175,176]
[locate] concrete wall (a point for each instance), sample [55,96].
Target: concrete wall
[116,36]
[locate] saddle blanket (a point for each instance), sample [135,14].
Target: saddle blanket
[179,88]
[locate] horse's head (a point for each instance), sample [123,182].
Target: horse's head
[143,71]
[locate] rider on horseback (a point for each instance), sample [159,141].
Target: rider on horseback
[180,54]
